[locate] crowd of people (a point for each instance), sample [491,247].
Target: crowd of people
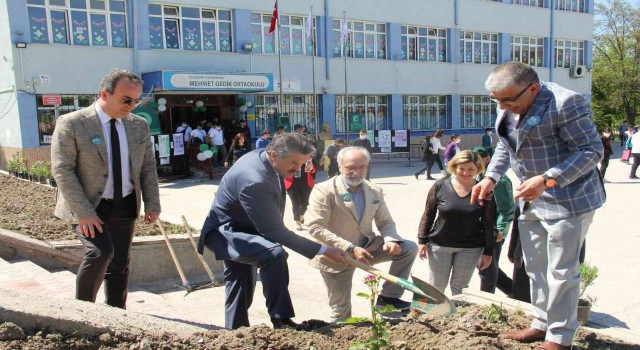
[544,132]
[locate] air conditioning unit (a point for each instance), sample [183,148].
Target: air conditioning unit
[578,71]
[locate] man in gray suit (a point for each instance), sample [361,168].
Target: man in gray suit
[103,162]
[547,136]
[245,229]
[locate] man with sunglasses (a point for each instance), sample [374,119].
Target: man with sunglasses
[547,136]
[103,161]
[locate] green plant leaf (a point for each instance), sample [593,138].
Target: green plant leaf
[363,295]
[352,320]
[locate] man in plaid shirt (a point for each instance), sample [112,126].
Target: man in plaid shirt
[548,138]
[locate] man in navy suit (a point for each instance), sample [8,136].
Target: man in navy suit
[245,229]
[547,136]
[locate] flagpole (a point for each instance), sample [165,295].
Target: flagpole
[281,99]
[346,90]
[313,73]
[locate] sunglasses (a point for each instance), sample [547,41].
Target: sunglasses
[510,100]
[130,102]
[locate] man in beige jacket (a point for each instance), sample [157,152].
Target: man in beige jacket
[341,213]
[102,159]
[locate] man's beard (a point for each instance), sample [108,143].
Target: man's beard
[353,181]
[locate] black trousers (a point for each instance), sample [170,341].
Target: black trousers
[434,159]
[299,198]
[604,164]
[636,163]
[240,283]
[493,276]
[106,256]
[333,168]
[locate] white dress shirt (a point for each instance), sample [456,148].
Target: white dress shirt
[216,136]
[127,182]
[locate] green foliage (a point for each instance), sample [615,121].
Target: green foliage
[18,163]
[588,276]
[40,169]
[616,63]
[495,314]
[380,337]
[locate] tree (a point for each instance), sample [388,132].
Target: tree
[616,62]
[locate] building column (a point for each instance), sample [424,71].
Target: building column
[241,29]
[327,104]
[394,41]
[504,43]
[453,51]
[456,118]
[396,115]
[142,24]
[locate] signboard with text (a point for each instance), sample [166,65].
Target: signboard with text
[51,100]
[203,81]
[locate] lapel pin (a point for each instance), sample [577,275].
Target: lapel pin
[96,139]
[534,120]
[347,197]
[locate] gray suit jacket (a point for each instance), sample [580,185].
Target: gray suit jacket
[80,165]
[557,137]
[246,215]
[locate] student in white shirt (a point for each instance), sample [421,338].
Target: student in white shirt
[216,139]
[185,130]
[198,135]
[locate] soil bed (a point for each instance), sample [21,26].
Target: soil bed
[27,208]
[470,328]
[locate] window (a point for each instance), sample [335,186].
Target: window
[365,40]
[189,28]
[426,112]
[299,108]
[534,3]
[529,50]
[294,40]
[570,5]
[78,22]
[47,115]
[372,110]
[568,53]
[424,44]
[478,47]
[477,112]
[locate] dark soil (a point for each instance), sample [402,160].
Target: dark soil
[470,328]
[27,208]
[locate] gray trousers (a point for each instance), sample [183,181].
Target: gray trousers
[459,263]
[339,284]
[551,250]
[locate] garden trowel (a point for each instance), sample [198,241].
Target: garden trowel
[426,298]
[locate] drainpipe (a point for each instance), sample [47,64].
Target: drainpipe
[552,42]
[134,5]
[327,40]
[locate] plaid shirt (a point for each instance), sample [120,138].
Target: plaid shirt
[557,137]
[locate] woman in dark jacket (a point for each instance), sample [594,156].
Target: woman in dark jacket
[299,187]
[239,147]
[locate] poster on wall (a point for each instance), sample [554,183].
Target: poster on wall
[384,140]
[164,146]
[401,138]
[178,144]
[371,136]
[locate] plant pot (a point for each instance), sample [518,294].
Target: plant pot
[584,311]
[43,180]
[52,182]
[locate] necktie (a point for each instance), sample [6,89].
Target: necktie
[283,195]
[116,162]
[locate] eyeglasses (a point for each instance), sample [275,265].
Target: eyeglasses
[130,102]
[353,169]
[509,100]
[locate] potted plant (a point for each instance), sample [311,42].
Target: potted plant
[12,167]
[588,276]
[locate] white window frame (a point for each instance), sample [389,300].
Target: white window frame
[89,11]
[573,46]
[351,28]
[416,38]
[528,42]
[571,5]
[532,3]
[485,104]
[424,105]
[485,38]
[265,24]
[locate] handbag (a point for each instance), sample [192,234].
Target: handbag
[625,155]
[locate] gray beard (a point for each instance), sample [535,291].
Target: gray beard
[352,182]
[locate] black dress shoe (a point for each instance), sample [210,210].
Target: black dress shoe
[396,302]
[430,178]
[282,324]
[416,175]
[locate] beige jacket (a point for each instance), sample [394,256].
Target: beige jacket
[79,162]
[331,219]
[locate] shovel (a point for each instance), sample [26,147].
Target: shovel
[426,298]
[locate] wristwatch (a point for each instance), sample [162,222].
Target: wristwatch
[549,182]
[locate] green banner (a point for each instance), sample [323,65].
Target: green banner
[151,115]
[355,122]
[284,121]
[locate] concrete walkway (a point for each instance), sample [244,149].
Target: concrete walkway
[613,244]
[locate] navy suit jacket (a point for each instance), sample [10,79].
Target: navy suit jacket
[246,215]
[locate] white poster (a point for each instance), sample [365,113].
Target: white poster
[401,138]
[384,139]
[164,161]
[385,149]
[178,144]
[371,136]
[164,146]
[45,79]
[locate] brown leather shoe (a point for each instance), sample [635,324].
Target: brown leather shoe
[526,335]
[549,345]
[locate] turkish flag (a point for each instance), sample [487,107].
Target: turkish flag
[274,18]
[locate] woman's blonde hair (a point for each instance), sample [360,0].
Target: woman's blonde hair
[466,156]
